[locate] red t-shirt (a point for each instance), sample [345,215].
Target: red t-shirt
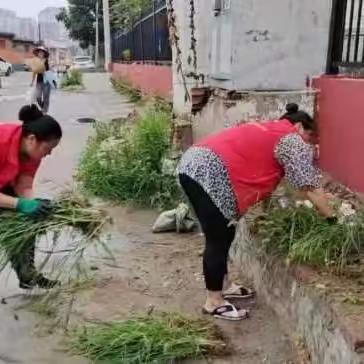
[10,164]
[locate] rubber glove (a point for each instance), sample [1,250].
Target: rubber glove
[34,207]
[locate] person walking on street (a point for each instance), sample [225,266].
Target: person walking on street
[226,173]
[22,148]
[42,91]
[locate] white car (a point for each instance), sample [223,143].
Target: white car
[83,63]
[6,68]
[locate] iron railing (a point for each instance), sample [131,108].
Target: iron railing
[346,47]
[147,41]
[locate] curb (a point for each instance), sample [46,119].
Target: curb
[304,311]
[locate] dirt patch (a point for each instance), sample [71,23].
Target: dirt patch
[163,272]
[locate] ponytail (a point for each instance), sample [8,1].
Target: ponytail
[43,127]
[29,113]
[295,116]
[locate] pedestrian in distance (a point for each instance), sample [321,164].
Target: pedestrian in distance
[42,91]
[226,173]
[22,148]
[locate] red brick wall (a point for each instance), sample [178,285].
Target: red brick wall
[341,119]
[152,80]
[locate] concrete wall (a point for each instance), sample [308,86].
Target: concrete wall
[340,116]
[223,110]
[254,45]
[151,80]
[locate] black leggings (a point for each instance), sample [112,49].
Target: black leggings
[219,235]
[22,263]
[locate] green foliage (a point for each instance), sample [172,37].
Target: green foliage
[124,88]
[126,55]
[79,19]
[125,12]
[72,78]
[162,339]
[125,163]
[303,236]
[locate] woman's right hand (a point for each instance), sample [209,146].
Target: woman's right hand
[34,207]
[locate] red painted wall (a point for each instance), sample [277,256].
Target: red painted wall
[340,106]
[152,80]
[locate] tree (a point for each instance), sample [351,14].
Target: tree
[80,19]
[125,12]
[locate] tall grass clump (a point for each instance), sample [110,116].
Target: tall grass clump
[300,234]
[158,339]
[124,162]
[73,78]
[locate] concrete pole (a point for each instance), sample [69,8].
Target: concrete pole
[107,33]
[97,45]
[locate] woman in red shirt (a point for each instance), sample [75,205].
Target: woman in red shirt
[22,148]
[228,172]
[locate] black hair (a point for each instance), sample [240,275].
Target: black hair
[43,127]
[295,115]
[29,113]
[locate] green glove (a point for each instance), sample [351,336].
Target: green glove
[33,207]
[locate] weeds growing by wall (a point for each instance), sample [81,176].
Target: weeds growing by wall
[124,88]
[299,233]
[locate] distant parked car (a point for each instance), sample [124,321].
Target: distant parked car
[26,67]
[6,68]
[83,63]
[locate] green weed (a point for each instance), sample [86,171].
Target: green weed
[124,88]
[161,339]
[125,163]
[73,78]
[303,236]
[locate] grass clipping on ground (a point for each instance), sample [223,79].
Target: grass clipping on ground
[124,161]
[16,230]
[299,233]
[157,338]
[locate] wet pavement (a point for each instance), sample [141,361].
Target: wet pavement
[18,342]
[158,271]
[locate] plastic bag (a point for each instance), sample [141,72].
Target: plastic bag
[51,78]
[179,220]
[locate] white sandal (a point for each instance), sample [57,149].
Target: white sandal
[228,312]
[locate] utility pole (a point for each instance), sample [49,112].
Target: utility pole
[39,33]
[97,45]
[107,35]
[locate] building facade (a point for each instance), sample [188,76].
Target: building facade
[23,28]
[253,56]
[50,28]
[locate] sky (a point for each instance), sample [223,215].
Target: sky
[29,8]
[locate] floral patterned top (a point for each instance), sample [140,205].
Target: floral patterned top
[205,167]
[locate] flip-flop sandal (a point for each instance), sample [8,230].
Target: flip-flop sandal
[227,312]
[241,293]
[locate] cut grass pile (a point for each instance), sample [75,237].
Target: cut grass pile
[300,234]
[124,161]
[158,338]
[17,230]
